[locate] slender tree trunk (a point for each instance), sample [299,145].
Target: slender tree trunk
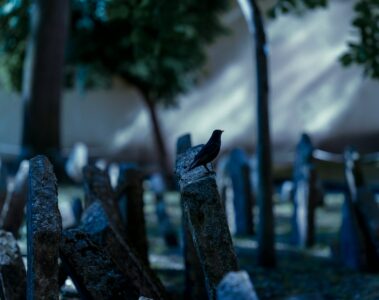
[42,82]
[266,237]
[159,140]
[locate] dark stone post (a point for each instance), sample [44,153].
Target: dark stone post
[360,219]
[44,225]
[306,194]
[206,220]
[239,171]
[13,214]
[131,208]
[12,269]
[194,276]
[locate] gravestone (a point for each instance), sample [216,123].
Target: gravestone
[236,285]
[194,277]
[131,208]
[360,253]
[77,209]
[44,225]
[206,220]
[12,269]
[166,228]
[183,144]
[102,233]
[77,160]
[3,184]
[93,272]
[12,214]
[306,194]
[243,199]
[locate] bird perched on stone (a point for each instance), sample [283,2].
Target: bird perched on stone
[209,151]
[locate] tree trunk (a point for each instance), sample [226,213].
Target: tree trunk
[266,238]
[159,140]
[42,81]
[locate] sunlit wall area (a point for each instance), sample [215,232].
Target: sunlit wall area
[310,91]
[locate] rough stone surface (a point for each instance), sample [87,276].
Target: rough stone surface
[44,226]
[97,186]
[131,207]
[183,144]
[12,214]
[96,225]
[239,171]
[94,273]
[194,276]
[12,269]
[236,285]
[207,221]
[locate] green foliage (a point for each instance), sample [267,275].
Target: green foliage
[13,32]
[156,45]
[297,6]
[364,48]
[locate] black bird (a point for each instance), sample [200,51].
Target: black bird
[209,151]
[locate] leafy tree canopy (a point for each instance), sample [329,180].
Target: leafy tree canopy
[363,48]
[157,46]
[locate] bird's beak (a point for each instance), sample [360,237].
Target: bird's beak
[222,130]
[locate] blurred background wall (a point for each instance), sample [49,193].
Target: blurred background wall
[310,92]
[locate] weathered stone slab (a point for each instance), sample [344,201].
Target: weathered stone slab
[236,285]
[95,223]
[44,226]
[131,208]
[97,187]
[12,269]
[207,221]
[183,144]
[194,276]
[166,228]
[93,272]
[12,214]
[239,171]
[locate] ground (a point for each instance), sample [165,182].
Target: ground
[309,272]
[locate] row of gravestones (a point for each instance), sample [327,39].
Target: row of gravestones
[358,245]
[105,255]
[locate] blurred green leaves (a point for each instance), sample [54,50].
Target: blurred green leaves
[363,49]
[157,46]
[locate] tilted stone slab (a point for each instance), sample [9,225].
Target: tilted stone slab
[206,220]
[12,214]
[12,269]
[131,207]
[194,276]
[95,223]
[239,171]
[94,273]
[44,226]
